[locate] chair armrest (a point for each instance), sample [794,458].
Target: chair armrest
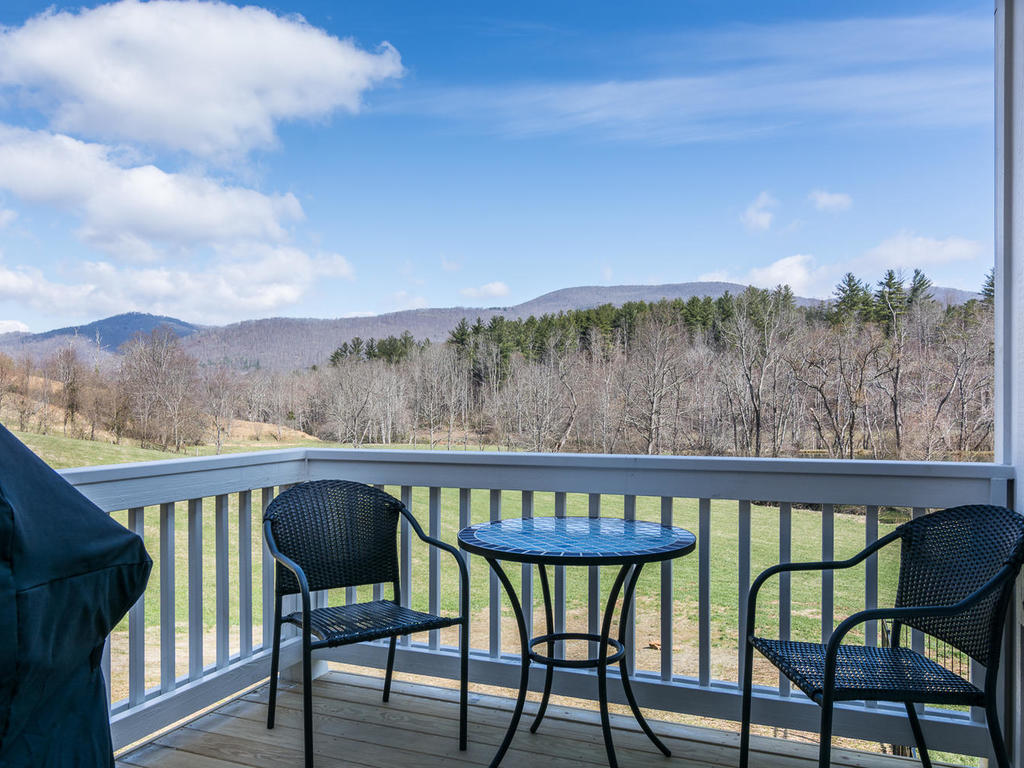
[445,546]
[913,612]
[291,565]
[828,565]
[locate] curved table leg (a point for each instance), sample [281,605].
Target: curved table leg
[624,669]
[524,678]
[602,669]
[549,618]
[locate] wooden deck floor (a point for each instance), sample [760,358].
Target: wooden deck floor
[419,728]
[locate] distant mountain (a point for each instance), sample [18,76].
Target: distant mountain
[286,343]
[114,331]
[587,296]
[98,340]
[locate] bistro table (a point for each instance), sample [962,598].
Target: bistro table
[574,541]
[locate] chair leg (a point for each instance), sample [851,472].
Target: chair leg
[275,654]
[464,683]
[915,726]
[307,696]
[748,669]
[998,745]
[825,742]
[390,669]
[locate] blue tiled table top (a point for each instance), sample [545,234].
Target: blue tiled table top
[576,540]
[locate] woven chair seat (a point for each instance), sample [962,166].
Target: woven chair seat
[869,672]
[360,622]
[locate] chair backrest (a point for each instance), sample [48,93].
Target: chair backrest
[951,553]
[342,534]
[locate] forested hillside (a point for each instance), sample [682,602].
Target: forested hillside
[882,371]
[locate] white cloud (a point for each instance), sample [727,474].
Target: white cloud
[404,300]
[248,281]
[758,215]
[13,326]
[486,291]
[208,78]
[717,276]
[830,201]
[125,210]
[606,273]
[903,251]
[7,216]
[799,271]
[909,251]
[450,265]
[919,71]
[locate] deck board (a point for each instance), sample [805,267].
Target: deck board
[419,727]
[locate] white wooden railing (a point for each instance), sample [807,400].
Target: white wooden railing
[197,668]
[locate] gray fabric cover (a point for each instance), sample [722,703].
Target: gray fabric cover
[68,574]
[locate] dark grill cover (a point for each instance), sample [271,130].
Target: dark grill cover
[68,574]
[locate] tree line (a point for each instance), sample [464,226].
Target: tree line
[878,371]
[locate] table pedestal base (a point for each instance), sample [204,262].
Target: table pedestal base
[628,574]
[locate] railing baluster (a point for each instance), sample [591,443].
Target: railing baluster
[105,667]
[405,565]
[267,585]
[526,589]
[221,571]
[245,573]
[871,575]
[667,604]
[828,545]
[871,580]
[704,592]
[629,513]
[195,589]
[785,583]
[434,563]
[167,618]
[594,577]
[137,626]
[743,510]
[377,590]
[559,583]
[916,636]
[494,593]
[465,518]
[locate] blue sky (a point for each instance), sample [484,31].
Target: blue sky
[217,162]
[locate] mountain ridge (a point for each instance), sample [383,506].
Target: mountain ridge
[286,343]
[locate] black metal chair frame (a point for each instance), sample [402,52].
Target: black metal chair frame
[308,645]
[1004,580]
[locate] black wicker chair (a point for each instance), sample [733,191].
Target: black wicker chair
[328,534]
[957,573]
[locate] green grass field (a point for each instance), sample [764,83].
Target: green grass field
[725,589]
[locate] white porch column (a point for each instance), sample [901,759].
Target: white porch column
[1009,284]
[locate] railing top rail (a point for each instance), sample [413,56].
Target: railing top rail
[921,484]
[120,486]
[730,464]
